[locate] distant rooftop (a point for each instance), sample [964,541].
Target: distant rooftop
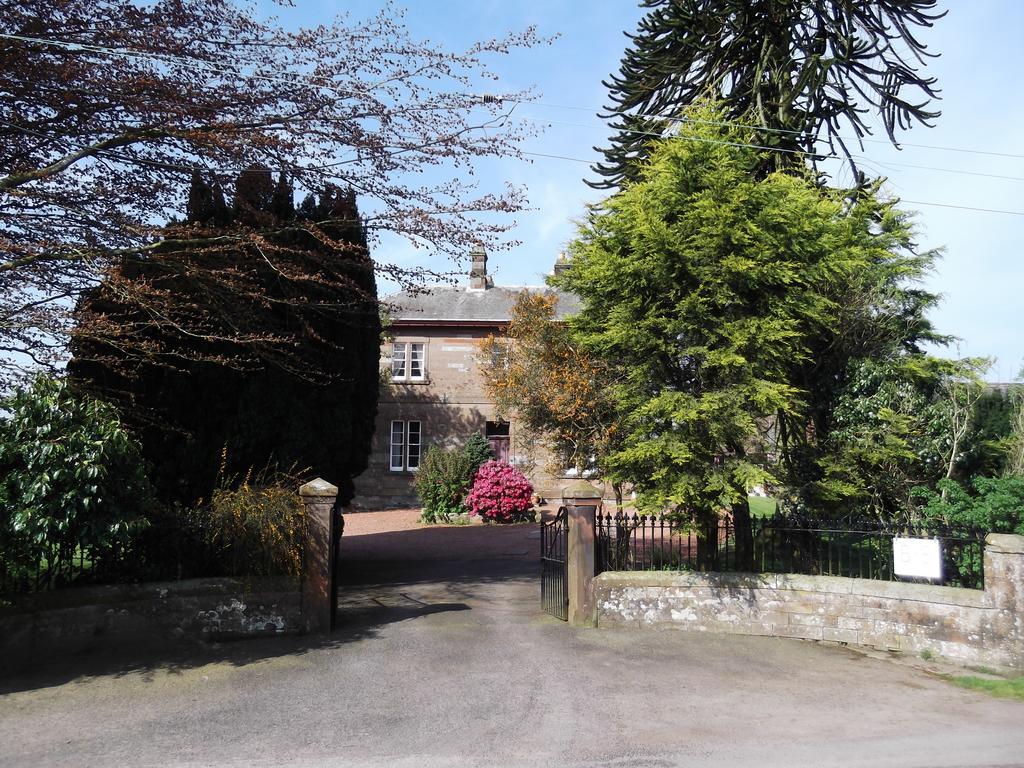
[449,303]
[482,301]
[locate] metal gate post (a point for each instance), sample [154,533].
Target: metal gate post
[581,500]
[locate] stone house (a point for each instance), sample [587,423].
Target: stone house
[432,391]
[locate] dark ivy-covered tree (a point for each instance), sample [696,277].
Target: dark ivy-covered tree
[105,107]
[243,356]
[804,70]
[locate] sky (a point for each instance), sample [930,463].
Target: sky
[979,71]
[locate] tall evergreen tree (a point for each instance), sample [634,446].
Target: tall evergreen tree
[805,70]
[300,392]
[708,294]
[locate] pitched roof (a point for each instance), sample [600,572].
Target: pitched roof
[453,303]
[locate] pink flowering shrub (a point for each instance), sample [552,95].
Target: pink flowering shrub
[500,493]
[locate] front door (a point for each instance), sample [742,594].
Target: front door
[500,447]
[498,436]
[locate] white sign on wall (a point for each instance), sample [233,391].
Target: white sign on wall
[921,558]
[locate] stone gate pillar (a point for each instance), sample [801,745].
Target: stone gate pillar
[1004,588]
[318,497]
[581,501]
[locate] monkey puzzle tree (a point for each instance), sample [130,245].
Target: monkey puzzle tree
[802,70]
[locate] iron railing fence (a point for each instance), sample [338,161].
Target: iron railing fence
[79,564]
[170,548]
[779,544]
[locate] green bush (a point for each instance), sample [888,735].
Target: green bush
[478,450]
[992,504]
[445,476]
[988,504]
[256,528]
[73,489]
[441,483]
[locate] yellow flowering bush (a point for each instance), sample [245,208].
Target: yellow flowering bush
[257,526]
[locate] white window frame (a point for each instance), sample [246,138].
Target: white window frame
[409,443]
[398,356]
[400,467]
[422,360]
[405,353]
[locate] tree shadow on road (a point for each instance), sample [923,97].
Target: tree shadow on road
[120,659]
[372,594]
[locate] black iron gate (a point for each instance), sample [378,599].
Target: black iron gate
[337,530]
[554,566]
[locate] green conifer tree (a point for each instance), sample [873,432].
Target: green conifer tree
[478,450]
[709,292]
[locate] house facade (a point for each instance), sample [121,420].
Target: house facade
[432,390]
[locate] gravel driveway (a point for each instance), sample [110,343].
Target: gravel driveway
[396,534]
[448,662]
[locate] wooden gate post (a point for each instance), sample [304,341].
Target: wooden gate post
[581,500]
[318,496]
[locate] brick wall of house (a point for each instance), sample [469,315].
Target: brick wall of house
[450,404]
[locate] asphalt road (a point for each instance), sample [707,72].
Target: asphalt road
[449,663]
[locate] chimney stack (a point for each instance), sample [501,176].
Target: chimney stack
[478,272]
[562,263]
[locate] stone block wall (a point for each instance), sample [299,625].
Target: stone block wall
[963,625]
[73,620]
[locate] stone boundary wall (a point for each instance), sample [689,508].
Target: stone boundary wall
[963,625]
[159,613]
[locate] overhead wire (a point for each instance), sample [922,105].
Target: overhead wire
[673,118]
[292,79]
[903,200]
[826,156]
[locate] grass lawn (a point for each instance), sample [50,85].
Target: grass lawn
[1005,688]
[761,506]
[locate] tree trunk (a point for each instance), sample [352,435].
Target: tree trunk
[744,535]
[707,541]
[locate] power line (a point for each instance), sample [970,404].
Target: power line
[186,61]
[963,207]
[295,79]
[765,128]
[558,157]
[778,149]
[885,163]
[902,200]
[146,161]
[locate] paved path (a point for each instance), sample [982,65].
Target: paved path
[397,535]
[448,663]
